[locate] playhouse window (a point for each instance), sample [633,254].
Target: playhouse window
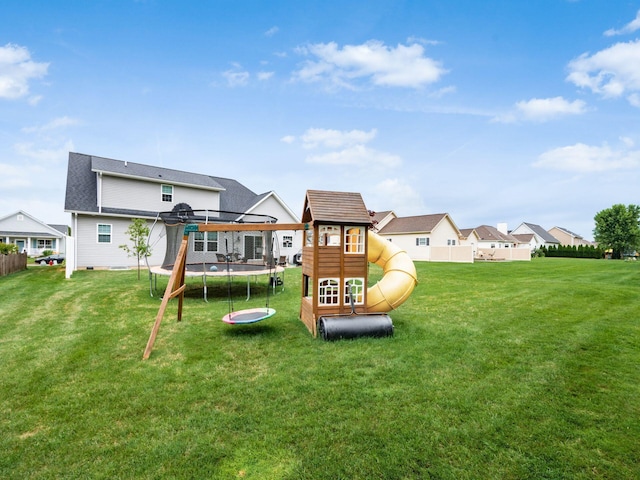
[328,291]
[354,240]
[167,193]
[357,290]
[308,238]
[329,235]
[199,244]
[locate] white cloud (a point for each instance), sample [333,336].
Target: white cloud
[47,155]
[15,177]
[271,32]
[541,109]
[56,123]
[583,158]
[357,155]
[262,76]
[634,100]
[236,77]
[443,91]
[630,27]
[329,138]
[16,70]
[402,66]
[397,195]
[628,142]
[611,72]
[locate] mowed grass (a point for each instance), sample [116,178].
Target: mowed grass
[496,370]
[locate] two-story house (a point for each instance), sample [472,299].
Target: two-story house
[104,195]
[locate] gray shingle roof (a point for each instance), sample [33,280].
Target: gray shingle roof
[158,174]
[542,233]
[82,189]
[575,235]
[81,193]
[236,197]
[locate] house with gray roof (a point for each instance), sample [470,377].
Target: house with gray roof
[540,236]
[31,235]
[104,195]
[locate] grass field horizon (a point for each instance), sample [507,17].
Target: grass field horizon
[496,370]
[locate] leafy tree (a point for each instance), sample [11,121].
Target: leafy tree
[138,232]
[618,228]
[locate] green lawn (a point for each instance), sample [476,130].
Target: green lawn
[496,370]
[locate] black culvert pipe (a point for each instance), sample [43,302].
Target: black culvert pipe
[354,326]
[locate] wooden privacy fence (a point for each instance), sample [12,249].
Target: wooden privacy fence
[13,262]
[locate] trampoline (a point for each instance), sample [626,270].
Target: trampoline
[219,269]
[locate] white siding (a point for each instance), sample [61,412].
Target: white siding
[134,194]
[90,253]
[439,238]
[271,206]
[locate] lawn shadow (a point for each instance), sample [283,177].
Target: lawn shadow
[250,330]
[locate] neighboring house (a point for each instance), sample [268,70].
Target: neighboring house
[469,236]
[492,238]
[104,195]
[567,237]
[526,239]
[495,244]
[433,238]
[541,236]
[380,219]
[31,235]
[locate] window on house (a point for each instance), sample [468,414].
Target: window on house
[104,233]
[451,242]
[356,285]
[329,235]
[167,193]
[45,244]
[20,217]
[354,240]
[328,291]
[422,241]
[210,245]
[287,241]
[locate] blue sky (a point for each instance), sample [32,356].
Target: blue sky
[492,111]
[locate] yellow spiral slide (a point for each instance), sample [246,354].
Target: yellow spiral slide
[399,275]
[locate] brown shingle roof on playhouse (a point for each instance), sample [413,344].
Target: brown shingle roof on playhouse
[332,207]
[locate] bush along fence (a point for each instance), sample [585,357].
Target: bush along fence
[571,251]
[12,262]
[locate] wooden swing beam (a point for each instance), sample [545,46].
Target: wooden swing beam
[176,285]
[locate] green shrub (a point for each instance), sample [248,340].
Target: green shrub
[7,248]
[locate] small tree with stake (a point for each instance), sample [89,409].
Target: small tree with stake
[138,232]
